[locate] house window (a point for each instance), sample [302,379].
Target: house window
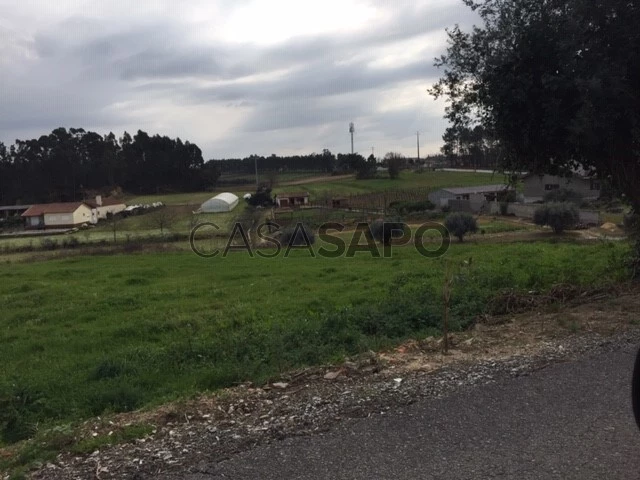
[551,186]
[595,185]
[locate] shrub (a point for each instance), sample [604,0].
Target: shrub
[297,236]
[48,244]
[71,242]
[558,216]
[460,223]
[386,230]
[262,197]
[404,207]
[563,195]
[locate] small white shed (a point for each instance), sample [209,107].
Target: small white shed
[223,202]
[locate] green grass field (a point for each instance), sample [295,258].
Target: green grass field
[85,335]
[341,186]
[407,180]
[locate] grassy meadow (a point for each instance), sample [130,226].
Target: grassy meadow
[86,335]
[407,180]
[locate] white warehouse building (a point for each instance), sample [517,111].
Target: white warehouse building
[223,202]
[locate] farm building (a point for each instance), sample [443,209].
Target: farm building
[477,196]
[537,186]
[223,202]
[295,199]
[106,206]
[58,215]
[7,211]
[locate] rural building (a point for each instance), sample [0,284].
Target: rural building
[537,186]
[106,206]
[58,215]
[477,196]
[223,202]
[8,211]
[340,202]
[292,199]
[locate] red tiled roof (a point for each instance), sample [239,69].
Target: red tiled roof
[41,209]
[292,194]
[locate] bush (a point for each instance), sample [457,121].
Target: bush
[563,195]
[558,216]
[297,236]
[48,244]
[262,197]
[386,230]
[404,207]
[460,223]
[71,242]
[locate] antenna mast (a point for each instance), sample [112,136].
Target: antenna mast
[352,129]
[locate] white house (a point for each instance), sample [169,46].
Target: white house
[58,215]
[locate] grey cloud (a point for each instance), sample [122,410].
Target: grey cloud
[84,65]
[296,113]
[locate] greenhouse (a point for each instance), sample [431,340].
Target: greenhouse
[224,202]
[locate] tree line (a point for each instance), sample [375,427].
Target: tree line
[65,164]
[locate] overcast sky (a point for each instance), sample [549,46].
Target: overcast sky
[235,77]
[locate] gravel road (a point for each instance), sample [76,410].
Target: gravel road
[570,420]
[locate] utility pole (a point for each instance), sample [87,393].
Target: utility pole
[255,158]
[372,152]
[418,141]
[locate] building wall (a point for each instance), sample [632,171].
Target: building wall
[440,198]
[80,216]
[102,211]
[35,222]
[58,219]
[534,187]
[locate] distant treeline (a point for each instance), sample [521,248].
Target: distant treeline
[316,162]
[65,164]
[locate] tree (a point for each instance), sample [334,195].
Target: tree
[395,162]
[556,83]
[564,195]
[558,216]
[262,197]
[385,231]
[460,223]
[162,218]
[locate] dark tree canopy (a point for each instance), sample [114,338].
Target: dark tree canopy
[555,83]
[63,165]
[460,223]
[557,215]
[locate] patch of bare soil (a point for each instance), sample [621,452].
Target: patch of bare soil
[192,435]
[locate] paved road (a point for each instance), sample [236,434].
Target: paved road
[568,421]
